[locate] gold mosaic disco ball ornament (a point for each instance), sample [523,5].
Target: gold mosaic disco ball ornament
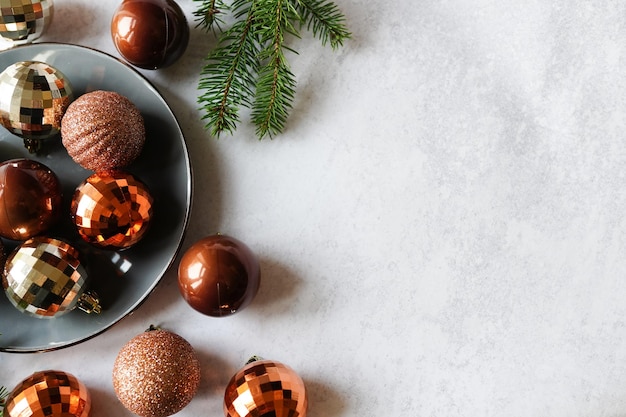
[49,394]
[44,278]
[23,21]
[265,388]
[112,210]
[33,99]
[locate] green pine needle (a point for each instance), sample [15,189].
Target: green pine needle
[249,67]
[3,396]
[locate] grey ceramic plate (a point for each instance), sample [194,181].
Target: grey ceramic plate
[122,279]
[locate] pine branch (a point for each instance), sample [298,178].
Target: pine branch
[325,20]
[208,13]
[276,83]
[249,68]
[228,77]
[3,397]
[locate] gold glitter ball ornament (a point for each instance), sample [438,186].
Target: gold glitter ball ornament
[49,394]
[156,374]
[265,388]
[112,210]
[23,21]
[33,99]
[44,278]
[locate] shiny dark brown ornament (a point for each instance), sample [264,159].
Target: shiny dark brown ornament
[45,278]
[265,388]
[112,210]
[156,374]
[30,199]
[219,275]
[150,34]
[34,99]
[49,393]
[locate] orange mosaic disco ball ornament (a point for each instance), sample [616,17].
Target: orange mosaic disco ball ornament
[49,393]
[264,388]
[112,210]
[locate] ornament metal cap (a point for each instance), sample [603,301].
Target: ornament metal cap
[89,302]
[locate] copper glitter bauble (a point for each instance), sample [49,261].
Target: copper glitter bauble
[23,21]
[103,130]
[49,394]
[150,34]
[44,278]
[112,210]
[156,374]
[219,275]
[30,199]
[265,388]
[33,99]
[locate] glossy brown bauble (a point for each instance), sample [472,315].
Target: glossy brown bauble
[30,199]
[150,34]
[219,275]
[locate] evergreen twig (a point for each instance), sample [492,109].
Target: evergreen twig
[3,396]
[249,67]
[228,75]
[276,83]
[208,13]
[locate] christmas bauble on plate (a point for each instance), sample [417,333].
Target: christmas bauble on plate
[156,374]
[23,21]
[49,393]
[30,198]
[265,388]
[112,210]
[44,278]
[219,275]
[34,97]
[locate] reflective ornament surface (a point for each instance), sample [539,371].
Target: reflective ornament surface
[219,275]
[33,99]
[44,278]
[150,34]
[23,21]
[112,210]
[49,393]
[265,388]
[30,198]
[156,374]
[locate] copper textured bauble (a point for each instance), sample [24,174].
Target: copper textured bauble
[219,275]
[34,99]
[44,277]
[23,21]
[30,198]
[265,388]
[112,210]
[49,394]
[150,34]
[156,374]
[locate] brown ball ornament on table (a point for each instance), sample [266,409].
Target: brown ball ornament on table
[103,130]
[265,388]
[150,34]
[49,393]
[219,275]
[156,374]
[30,199]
